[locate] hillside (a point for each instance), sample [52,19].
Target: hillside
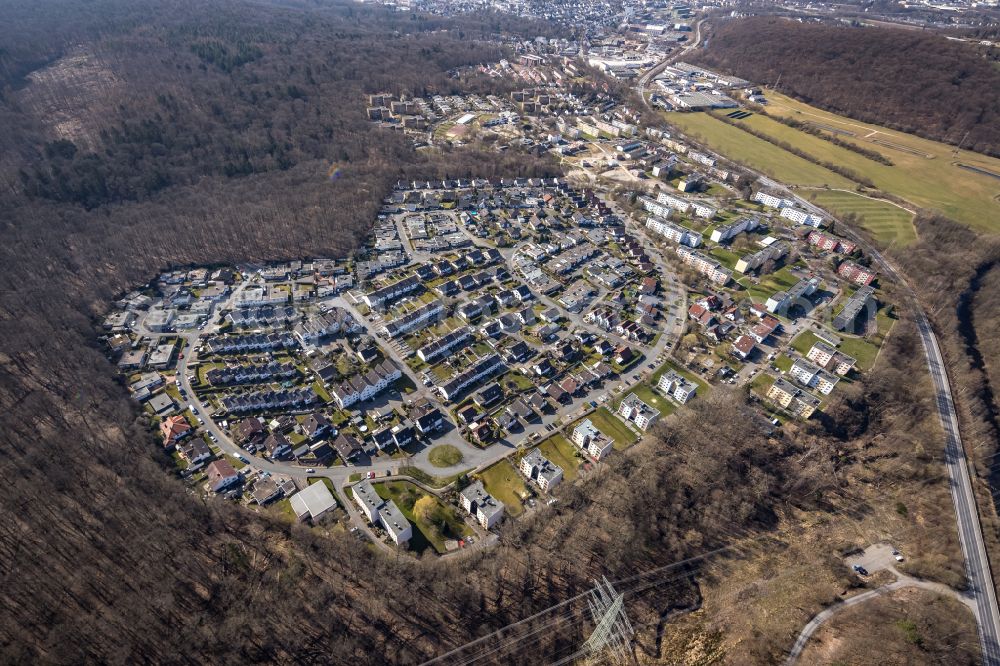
[140,136]
[907,80]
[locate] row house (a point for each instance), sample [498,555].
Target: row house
[269,400]
[249,374]
[603,317]
[364,387]
[248,343]
[764,329]
[268,315]
[445,345]
[414,321]
[319,326]
[856,273]
[631,330]
[379,298]
[831,243]
[487,366]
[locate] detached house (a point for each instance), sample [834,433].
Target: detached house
[174,429]
[221,475]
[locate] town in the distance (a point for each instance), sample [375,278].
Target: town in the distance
[498,338]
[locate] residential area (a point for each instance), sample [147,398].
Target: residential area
[494,340]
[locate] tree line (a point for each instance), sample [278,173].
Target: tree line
[913,81]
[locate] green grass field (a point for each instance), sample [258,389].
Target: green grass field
[613,427]
[444,455]
[504,483]
[889,224]
[442,523]
[926,173]
[561,451]
[780,280]
[756,153]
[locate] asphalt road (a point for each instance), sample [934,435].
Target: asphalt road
[875,558]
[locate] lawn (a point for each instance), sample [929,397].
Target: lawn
[613,427]
[445,455]
[433,521]
[561,451]
[727,258]
[649,396]
[889,224]
[783,363]
[321,391]
[926,173]
[804,341]
[521,383]
[504,483]
[780,280]
[761,384]
[863,351]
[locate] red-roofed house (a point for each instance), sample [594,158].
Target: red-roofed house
[174,429]
[744,346]
[221,475]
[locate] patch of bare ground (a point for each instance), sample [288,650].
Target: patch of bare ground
[908,626]
[70,95]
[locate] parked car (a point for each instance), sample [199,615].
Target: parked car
[371,475]
[860,570]
[898,555]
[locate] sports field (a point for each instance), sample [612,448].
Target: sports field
[961,184]
[889,224]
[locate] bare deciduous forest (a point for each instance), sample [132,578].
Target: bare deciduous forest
[203,133]
[913,81]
